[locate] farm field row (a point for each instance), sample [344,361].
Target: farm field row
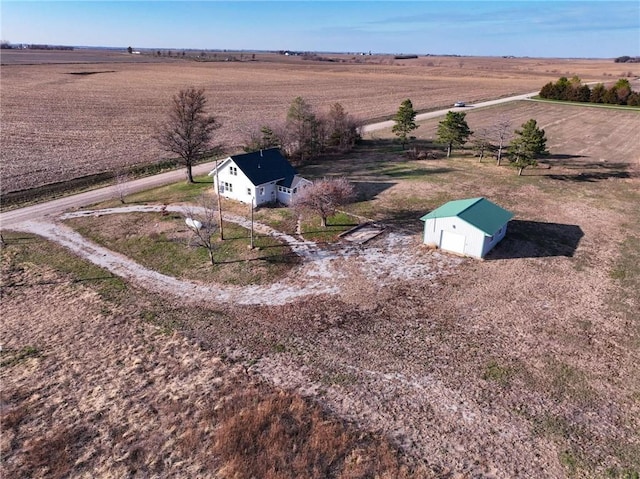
[68,120]
[577,135]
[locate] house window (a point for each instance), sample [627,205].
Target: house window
[233,170]
[295,190]
[262,191]
[228,187]
[249,191]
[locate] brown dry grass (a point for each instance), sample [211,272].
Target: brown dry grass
[115,393]
[577,135]
[522,365]
[57,125]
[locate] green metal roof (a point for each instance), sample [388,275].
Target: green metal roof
[479,212]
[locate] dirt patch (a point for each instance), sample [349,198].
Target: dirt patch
[322,272]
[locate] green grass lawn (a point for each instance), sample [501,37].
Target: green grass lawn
[312,229]
[165,244]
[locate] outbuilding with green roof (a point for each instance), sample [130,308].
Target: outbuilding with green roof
[468,227]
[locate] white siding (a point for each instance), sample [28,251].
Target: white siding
[476,243]
[491,241]
[234,186]
[266,193]
[284,195]
[453,242]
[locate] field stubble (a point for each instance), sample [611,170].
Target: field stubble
[58,125]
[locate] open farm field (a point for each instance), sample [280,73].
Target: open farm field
[581,136]
[77,56]
[72,119]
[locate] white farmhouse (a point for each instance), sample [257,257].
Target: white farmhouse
[257,178]
[469,227]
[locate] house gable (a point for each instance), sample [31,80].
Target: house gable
[265,175]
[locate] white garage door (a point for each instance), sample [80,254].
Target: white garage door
[453,242]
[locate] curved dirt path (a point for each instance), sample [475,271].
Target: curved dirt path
[324,271]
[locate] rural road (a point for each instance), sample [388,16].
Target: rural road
[435,114]
[56,207]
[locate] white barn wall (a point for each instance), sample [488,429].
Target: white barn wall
[490,242]
[474,238]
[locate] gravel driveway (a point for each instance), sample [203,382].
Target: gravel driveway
[323,271]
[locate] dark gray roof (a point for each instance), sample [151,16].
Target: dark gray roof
[264,166]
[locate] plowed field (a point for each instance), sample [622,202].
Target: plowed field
[66,120]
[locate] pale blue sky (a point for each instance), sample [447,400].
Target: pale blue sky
[586,28]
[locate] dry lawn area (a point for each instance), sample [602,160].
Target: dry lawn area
[67,120]
[98,387]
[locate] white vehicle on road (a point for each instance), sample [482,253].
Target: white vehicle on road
[459,103]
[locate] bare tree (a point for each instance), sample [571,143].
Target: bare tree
[343,131]
[501,134]
[188,130]
[481,143]
[121,185]
[324,197]
[201,220]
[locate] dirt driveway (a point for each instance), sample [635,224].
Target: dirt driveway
[323,271]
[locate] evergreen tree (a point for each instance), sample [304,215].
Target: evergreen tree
[453,130]
[529,145]
[597,93]
[263,139]
[405,120]
[303,128]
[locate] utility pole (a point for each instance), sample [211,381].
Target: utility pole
[217,180]
[251,222]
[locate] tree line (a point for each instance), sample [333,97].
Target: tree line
[574,90]
[527,143]
[627,59]
[306,134]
